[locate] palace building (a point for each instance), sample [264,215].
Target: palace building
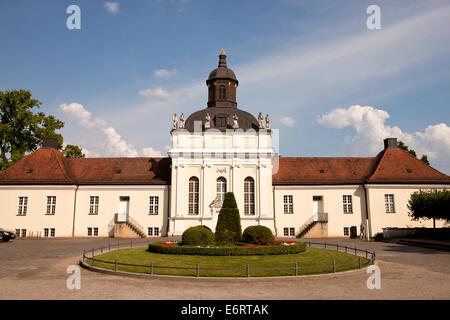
[218,149]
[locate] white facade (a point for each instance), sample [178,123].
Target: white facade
[231,157]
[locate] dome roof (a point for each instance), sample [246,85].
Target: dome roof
[223,73]
[246,120]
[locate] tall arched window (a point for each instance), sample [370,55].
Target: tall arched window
[249,196]
[222,93]
[193,195]
[221,188]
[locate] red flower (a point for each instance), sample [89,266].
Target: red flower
[167,244]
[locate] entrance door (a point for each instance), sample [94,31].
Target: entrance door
[317,207]
[123,209]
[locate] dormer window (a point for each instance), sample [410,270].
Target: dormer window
[222,93]
[221,122]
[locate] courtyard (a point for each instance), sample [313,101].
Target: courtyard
[36,269]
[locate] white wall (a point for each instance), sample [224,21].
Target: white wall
[36,218]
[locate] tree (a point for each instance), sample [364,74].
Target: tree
[430,204]
[228,228]
[21,129]
[403,146]
[73,151]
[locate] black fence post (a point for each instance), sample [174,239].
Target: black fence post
[117,266]
[93,261]
[296,269]
[248,271]
[198,270]
[337,247]
[373,257]
[334,266]
[366,253]
[359,261]
[151,269]
[325,245]
[309,243]
[92,252]
[355,251]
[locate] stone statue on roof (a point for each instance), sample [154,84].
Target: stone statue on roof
[235,121]
[174,121]
[182,121]
[267,122]
[208,121]
[261,120]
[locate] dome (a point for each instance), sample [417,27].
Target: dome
[246,120]
[222,73]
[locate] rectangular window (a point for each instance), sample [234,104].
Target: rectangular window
[154,205]
[288,204]
[292,232]
[348,206]
[46,232]
[51,204]
[23,204]
[153,231]
[93,205]
[24,233]
[389,203]
[345,231]
[52,232]
[95,232]
[17,232]
[286,232]
[89,232]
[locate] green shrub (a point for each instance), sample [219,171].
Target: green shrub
[228,228]
[258,235]
[198,236]
[378,236]
[228,250]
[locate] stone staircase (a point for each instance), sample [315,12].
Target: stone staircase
[128,229]
[320,218]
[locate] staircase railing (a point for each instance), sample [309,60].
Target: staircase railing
[319,217]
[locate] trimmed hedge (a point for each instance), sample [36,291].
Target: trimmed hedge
[198,236]
[260,235]
[228,228]
[228,250]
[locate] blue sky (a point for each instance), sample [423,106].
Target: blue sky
[330,85]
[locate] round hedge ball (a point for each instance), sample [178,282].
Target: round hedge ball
[197,236]
[258,235]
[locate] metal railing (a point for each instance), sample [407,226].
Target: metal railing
[295,267]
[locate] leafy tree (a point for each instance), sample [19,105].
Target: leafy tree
[430,204]
[21,128]
[228,228]
[73,151]
[403,146]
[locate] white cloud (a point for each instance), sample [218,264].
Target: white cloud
[371,129]
[114,144]
[112,7]
[157,93]
[287,121]
[164,73]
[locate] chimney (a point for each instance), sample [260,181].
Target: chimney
[49,143]
[390,143]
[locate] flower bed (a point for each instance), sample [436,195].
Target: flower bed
[239,250]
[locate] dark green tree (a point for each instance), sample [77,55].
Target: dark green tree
[430,204]
[228,228]
[403,146]
[22,129]
[73,151]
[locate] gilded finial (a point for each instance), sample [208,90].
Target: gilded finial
[222,52]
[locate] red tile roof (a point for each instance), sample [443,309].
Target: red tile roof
[48,166]
[399,166]
[317,171]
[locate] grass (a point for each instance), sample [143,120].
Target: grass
[311,257]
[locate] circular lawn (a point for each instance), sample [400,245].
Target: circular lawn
[311,261]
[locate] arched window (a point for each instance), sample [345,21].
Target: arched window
[249,196]
[222,93]
[193,195]
[221,188]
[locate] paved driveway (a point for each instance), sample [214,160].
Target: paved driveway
[36,269]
